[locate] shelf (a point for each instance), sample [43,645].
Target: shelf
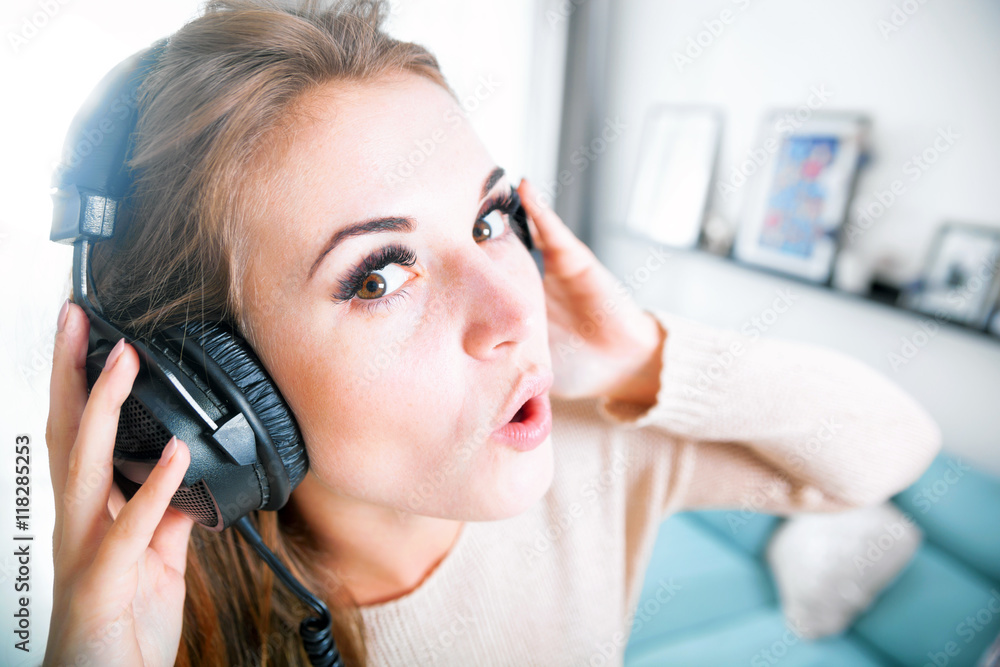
[951,369]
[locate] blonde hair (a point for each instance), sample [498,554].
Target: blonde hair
[208,112]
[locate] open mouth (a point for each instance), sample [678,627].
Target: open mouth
[521,414]
[529,426]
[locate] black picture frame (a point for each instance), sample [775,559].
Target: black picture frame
[960,281]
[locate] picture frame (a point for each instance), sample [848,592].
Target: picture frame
[993,325]
[800,188]
[960,281]
[675,172]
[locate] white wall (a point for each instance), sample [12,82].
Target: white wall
[939,69]
[515,47]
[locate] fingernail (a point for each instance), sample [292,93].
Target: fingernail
[168,452]
[116,352]
[62,316]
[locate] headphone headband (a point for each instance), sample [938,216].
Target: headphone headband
[94,175]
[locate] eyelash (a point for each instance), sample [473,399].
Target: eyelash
[394,253]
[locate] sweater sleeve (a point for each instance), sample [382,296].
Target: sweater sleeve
[776,425]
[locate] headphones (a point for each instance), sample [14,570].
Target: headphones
[200,381]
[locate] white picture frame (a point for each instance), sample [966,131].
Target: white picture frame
[798,201]
[674,174]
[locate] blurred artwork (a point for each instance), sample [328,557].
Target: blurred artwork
[794,219]
[798,196]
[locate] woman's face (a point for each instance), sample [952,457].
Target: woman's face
[398,390]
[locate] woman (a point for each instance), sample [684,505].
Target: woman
[265,135]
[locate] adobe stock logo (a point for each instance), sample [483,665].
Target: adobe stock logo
[713,28]
[898,17]
[423,148]
[32,24]
[581,159]
[756,158]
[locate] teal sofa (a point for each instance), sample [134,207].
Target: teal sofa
[942,610]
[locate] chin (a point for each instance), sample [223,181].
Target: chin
[523,482]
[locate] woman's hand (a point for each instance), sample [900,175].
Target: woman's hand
[119,567]
[602,343]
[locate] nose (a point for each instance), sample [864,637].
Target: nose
[500,310]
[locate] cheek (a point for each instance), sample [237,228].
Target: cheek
[375,417]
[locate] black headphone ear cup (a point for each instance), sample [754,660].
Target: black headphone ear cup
[238,360]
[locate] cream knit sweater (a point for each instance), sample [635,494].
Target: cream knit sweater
[770,424]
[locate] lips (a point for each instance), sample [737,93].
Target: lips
[528,417]
[529,387]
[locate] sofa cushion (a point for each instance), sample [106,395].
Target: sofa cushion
[957,506]
[758,638]
[708,576]
[937,611]
[748,530]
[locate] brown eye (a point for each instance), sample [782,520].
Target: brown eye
[373,287]
[381,282]
[493,228]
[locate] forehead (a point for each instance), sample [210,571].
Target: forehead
[349,151]
[372,124]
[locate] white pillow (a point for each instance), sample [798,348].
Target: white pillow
[991,658]
[829,567]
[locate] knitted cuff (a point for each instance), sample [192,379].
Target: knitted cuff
[694,359]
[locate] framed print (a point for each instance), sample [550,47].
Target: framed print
[798,201]
[993,326]
[960,279]
[674,175]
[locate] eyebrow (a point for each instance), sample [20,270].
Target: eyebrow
[390,224]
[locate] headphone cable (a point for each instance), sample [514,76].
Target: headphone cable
[317,632]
